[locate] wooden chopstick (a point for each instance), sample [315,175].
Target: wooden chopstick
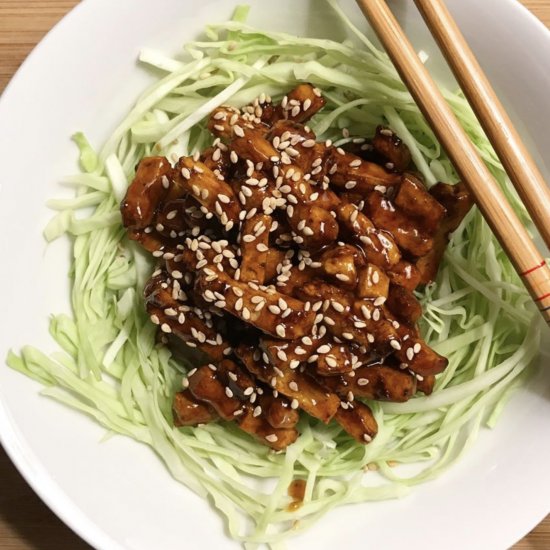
[490,199]
[513,154]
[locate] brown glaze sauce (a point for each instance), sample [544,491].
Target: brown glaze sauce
[296,491]
[291,265]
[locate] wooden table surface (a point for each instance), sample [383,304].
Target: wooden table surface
[25,522]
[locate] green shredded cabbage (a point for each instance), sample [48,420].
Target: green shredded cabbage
[110,368]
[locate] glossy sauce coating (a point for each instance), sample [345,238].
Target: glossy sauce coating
[291,265]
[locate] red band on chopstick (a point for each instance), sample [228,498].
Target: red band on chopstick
[542,264]
[540,298]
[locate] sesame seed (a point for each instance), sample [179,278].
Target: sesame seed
[293,386]
[228,392]
[375,277]
[308,143]
[380,301]
[417,347]
[365,240]
[165,327]
[362,382]
[347,335]
[294,364]
[395,344]
[376,315]
[219,127]
[237,291]
[238,131]
[280,330]
[368,439]
[272,438]
[342,277]
[282,355]
[316,163]
[294,404]
[410,354]
[331,361]
[386,132]
[355,163]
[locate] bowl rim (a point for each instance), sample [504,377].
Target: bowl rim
[15,446]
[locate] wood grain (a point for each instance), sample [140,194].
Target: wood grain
[25,522]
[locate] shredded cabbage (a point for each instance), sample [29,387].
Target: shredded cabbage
[110,368]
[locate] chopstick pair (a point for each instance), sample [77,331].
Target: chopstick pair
[513,154]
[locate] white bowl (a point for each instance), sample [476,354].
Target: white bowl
[117,494]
